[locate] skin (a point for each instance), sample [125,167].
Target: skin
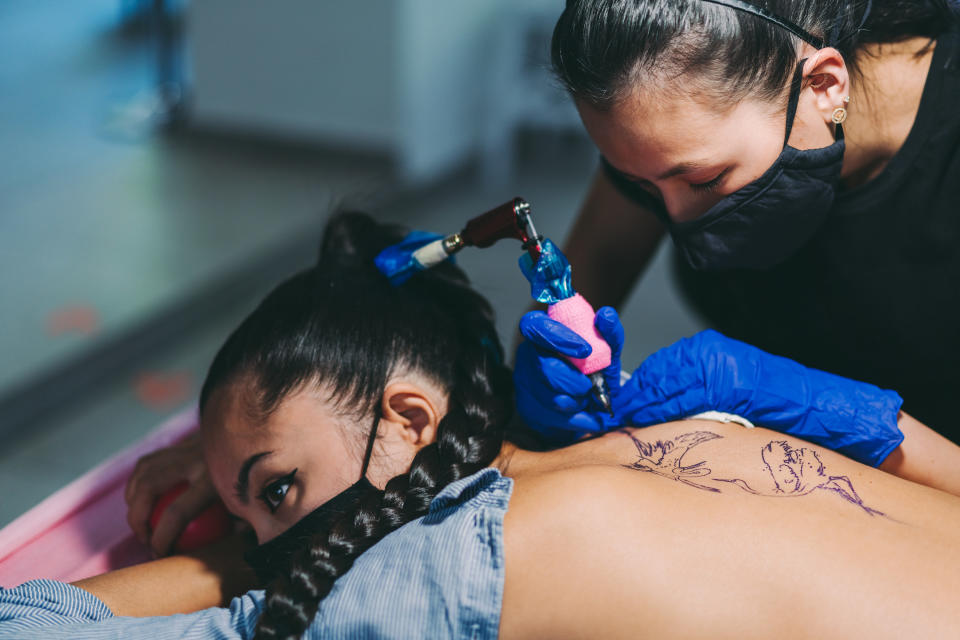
[156,473]
[208,577]
[613,239]
[654,129]
[661,557]
[639,555]
[648,134]
[304,424]
[895,77]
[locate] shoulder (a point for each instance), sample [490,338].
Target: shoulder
[440,575]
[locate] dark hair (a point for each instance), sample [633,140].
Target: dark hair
[602,49]
[342,325]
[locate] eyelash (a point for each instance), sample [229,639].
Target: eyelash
[279,482]
[709,187]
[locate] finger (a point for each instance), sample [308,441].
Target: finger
[131,489]
[610,329]
[652,406]
[568,404]
[560,376]
[546,420]
[608,324]
[178,515]
[535,392]
[140,471]
[550,335]
[547,376]
[141,504]
[585,422]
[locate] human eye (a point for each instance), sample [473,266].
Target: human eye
[711,185]
[274,492]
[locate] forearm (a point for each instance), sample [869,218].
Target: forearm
[610,244]
[209,577]
[924,457]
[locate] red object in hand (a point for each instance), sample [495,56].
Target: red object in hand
[210,525]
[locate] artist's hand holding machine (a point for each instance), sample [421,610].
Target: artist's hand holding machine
[706,372]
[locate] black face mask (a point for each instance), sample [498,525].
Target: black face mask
[764,223]
[274,558]
[770,219]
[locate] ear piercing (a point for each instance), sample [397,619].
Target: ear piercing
[840,113]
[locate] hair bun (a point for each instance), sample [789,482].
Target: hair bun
[351,240]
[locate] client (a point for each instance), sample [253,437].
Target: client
[364,433]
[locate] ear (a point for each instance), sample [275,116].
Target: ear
[410,414]
[826,73]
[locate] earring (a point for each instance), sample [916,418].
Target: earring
[840,113]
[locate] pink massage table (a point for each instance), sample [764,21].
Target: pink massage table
[81,530]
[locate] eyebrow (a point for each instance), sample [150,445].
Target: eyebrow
[684,167]
[243,476]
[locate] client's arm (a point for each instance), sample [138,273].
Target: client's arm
[209,577]
[925,457]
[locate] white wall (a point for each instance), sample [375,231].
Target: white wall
[314,70]
[443,51]
[416,78]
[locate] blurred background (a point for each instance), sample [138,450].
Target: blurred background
[165,163]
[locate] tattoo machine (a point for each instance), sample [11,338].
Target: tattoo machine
[544,266]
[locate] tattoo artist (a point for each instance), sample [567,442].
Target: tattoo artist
[804,157]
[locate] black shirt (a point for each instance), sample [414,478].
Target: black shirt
[875,295]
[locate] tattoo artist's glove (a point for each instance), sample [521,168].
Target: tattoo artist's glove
[711,372]
[553,398]
[707,372]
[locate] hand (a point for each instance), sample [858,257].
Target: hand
[710,372]
[154,474]
[553,397]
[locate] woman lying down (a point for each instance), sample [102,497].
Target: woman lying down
[390,407]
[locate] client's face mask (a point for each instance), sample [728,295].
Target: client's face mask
[770,219]
[274,557]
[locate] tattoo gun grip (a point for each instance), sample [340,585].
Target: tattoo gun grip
[578,315]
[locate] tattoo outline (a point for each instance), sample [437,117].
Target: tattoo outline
[795,472]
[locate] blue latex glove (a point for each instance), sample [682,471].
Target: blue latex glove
[710,372]
[552,397]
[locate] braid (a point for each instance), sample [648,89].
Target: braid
[469,438]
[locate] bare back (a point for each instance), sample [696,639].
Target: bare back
[703,529]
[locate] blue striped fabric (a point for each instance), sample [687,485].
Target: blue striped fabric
[440,576]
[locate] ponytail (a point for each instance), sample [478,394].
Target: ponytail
[327,327]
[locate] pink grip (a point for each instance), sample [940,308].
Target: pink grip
[576,314]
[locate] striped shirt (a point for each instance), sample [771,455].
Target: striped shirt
[440,576]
